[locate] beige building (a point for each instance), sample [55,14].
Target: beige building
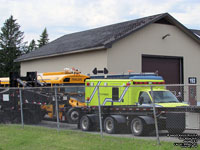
[155,43]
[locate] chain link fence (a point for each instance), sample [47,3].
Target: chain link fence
[158,111]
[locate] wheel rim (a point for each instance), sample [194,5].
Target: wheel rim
[85,123]
[74,115]
[137,127]
[109,125]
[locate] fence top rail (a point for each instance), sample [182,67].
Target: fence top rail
[64,86]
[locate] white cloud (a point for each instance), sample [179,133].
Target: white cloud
[190,17]
[152,7]
[67,16]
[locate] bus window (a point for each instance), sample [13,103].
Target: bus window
[66,80]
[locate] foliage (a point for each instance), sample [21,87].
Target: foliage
[11,43]
[43,38]
[12,46]
[31,47]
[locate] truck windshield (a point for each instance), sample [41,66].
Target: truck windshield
[164,97]
[77,93]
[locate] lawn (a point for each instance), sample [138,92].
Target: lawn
[14,137]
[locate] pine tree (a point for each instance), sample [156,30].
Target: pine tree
[43,38]
[32,46]
[11,42]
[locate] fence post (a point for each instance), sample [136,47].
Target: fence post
[57,110]
[21,106]
[155,118]
[100,120]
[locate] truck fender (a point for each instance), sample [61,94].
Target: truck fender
[148,120]
[94,118]
[119,118]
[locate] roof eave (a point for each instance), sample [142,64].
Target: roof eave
[66,53]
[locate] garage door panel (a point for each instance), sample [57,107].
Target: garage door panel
[168,68]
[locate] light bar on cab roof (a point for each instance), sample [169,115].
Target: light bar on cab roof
[134,82]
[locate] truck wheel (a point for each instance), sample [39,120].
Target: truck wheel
[110,125]
[85,123]
[73,115]
[137,127]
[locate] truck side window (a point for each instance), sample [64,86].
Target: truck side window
[115,94]
[146,97]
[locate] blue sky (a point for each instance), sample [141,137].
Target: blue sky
[61,17]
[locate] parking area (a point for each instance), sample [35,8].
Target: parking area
[163,134]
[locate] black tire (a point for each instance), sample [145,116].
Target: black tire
[137,127]
[73,115]
[85,123]
[110,125]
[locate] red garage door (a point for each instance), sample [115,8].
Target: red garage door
[170,68]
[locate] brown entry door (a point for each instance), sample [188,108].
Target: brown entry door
[170,68]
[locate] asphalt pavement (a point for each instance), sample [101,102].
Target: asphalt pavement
[189,136]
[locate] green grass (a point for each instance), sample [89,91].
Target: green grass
[13,137]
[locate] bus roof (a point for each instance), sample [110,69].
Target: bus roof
[62,78]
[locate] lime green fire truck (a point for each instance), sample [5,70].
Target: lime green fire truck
[130,92]
[128,103]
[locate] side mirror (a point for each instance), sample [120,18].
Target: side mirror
[141,100]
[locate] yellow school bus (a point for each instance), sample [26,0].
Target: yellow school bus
[71,89]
